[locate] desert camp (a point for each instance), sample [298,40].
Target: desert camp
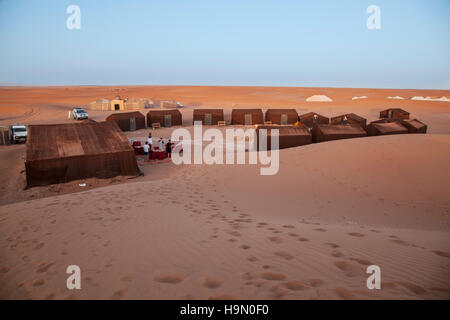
[281,116]
[208,116]
[395,113]
[312,119]
[64,152]
[329,132]
[247,117]
[165,118]
[349,118]
[128,121]
[289,136]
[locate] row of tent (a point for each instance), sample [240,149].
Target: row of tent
[130,121]
[294,130]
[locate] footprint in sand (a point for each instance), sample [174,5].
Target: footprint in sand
[284,255]
[212,283]
[43,267]
[294,285]
[400,242]
[40,245]
[316,282]
[277,292]
[275,239]
[38,282]
[441,253]
[303,239]
[245,247]
[4,270]
[252,259]
[169,278]
[333,245]
[356,234]
[364,262]
[126,279]
[349,269]
[344,293]
[119,294]
[337,254]
[320,230]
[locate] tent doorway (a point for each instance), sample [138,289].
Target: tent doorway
[208,119]
[248,119]
[132,124]
[116,106]
[284,119]
[168,120]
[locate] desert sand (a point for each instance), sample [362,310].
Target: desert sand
[226,232]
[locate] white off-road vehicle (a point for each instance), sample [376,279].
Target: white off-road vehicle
[79,114]
[18,133]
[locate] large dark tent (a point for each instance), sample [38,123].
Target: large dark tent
[395,113]
[63,152]
[386,127]
[312,119]
[208,116]
[247,116]
[128,121]
[415,126]
[350,118]
[282,116]
[289,136]
[328,132]
[166,118]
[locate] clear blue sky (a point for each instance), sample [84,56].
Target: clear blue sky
[227,42]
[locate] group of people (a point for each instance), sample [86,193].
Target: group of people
[159,145]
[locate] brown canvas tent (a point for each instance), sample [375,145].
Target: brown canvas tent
[63,152]
[328,132]
[247,116]
[386,127]
[289,136]
[395,113]
[166,118]
[415,126]
[312,119]
[4,136]
[128,121]
[282,116]
[208,116]
[350,118]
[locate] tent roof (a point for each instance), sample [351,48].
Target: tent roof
[74,139]
[384,127]
[286,130]
[340,129]
[311,114]
[396,109]
[125,115]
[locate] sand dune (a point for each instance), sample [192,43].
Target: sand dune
[396,98]
[420,98]
[357,98]
[226,232]
[318,98]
